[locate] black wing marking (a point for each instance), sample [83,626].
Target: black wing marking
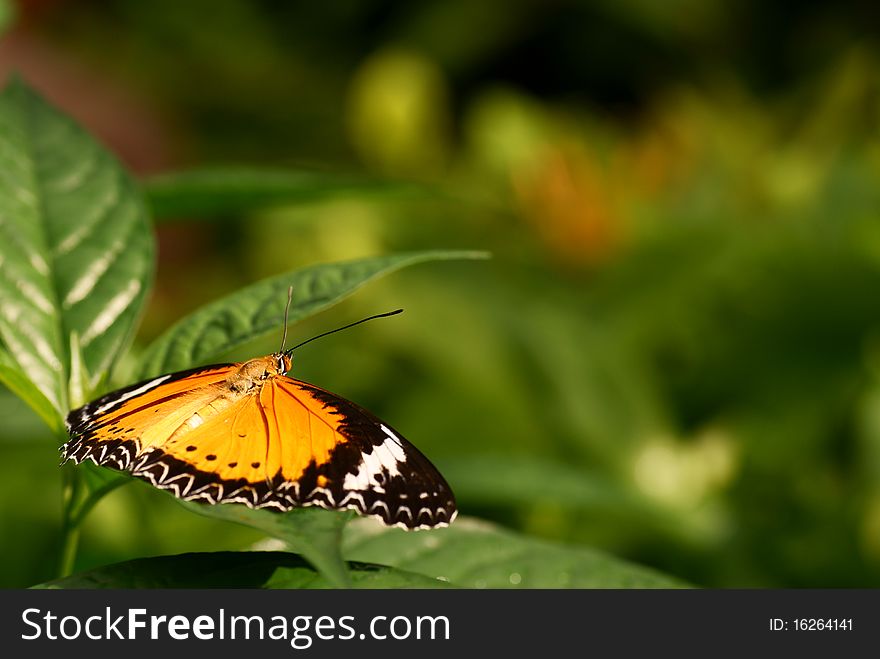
[377,472]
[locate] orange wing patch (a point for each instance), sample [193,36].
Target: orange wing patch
[141,412]
[246,433]
[306,429]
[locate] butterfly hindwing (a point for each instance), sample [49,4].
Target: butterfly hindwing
[373,469]
[279,444]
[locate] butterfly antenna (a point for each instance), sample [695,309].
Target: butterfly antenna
[339,329]
[286,311]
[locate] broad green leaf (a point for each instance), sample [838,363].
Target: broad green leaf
[76,251]
[254,310]
[216,191]
[362,575]
[19,384]
[198,570]
[312,532]
[258,569]
[476,554]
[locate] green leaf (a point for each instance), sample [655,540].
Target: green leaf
[257,309]
[312,532]
[19,384]
[363,575]
[262,569]
[76,249]
[476,554]
[218,191]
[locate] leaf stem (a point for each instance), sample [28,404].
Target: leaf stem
[94,496]
[79,497]
[71,493]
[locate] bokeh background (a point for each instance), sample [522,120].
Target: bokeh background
[674,354]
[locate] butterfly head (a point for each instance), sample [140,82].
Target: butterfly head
[282,361]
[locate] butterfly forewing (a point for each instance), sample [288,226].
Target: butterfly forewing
[279,443]
[121,424]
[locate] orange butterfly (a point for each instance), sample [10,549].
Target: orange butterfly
[247,433]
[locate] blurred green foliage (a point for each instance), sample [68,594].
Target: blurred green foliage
[674,354]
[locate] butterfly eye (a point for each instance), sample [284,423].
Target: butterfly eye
[281,365]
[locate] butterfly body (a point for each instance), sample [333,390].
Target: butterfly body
[247,433]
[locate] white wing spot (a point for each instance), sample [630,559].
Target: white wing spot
[383,459]
[387,453]
[390,434]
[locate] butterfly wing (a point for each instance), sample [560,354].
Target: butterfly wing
[118,427]
[289,444]
[357,461]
